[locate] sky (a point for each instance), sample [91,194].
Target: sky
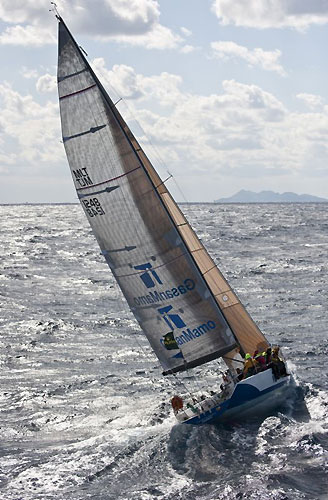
[223,94]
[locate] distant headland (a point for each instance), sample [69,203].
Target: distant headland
[244,196]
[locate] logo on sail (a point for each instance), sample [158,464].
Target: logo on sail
[149,276]
[150,279]
[172,319]
[174,341]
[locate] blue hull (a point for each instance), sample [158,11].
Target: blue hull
[255,396]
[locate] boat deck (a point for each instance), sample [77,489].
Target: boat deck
[246,397]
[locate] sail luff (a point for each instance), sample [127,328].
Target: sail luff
[201,333]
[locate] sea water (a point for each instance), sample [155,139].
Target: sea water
[84,409]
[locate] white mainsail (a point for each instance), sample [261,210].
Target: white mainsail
[183,304]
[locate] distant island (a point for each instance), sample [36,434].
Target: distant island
[270,197]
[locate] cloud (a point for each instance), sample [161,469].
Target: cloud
[267,60]
[107,18]
[33,24]
[185,31]
[29,73]
[121,79]
[252,97]
[115,16]
[126,83]
[159,37]
[311,100]
[134,22]
[27,35]
[239,131]
[163,89]
[299,14]
[29,130]
[47,84]
[187,49]
[241,125]
[7,159]
[16,11]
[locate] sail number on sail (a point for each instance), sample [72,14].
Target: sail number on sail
[82,177]
[93,207]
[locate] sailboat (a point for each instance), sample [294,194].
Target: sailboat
[182,302]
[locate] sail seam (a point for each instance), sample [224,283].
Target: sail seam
[210,269]
[153,267]
[61,78]
[197,249]
[109,180]
[78,92]
[163,182]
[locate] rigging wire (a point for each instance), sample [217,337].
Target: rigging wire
[178,381]
[146,354]
[54,9]
[178,188]
[151,146]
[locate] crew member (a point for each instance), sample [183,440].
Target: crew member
[278,363]
[268,356]
[260,358]
[177,403]
[250,367]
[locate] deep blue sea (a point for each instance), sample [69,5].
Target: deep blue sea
[84,409]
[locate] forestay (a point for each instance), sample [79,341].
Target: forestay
[121,196]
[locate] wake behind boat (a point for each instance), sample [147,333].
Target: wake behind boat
[183,304]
